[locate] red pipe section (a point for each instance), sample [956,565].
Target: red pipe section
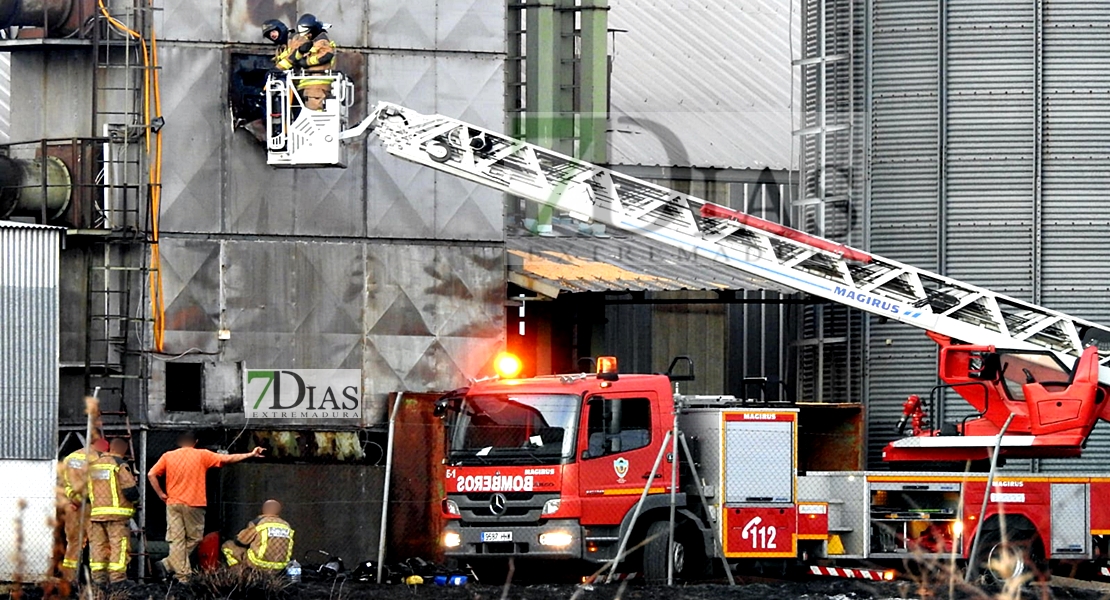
[716,211]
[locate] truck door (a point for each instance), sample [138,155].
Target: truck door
[619,444]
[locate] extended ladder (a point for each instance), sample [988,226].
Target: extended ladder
[759,248]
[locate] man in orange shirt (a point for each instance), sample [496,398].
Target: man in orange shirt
[186,496]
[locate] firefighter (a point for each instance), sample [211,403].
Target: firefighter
[315,53]
[113,493]
[277,33]
[266,543]
[73,511]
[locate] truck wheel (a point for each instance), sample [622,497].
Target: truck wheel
[685,553]
[1008,560]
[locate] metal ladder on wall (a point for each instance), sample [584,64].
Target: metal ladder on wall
[762,250]
[118,268]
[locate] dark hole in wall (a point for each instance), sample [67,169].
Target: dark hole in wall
[184,386]
[246,85]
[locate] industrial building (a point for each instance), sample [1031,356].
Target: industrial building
[929,132]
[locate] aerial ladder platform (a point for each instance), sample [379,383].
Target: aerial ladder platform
[1034,374]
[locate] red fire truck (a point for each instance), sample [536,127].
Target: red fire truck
[554,467]
[579,465]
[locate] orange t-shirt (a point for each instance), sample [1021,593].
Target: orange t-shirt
[185,470]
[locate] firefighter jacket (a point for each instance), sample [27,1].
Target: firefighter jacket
[269,542]
[73,474]
[113,490]
[315,56]
[286,53]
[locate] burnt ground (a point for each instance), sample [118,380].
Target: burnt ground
[824,589]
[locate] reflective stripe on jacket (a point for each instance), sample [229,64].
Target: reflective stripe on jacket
[320,56]
[111,482]
[74,472]
[270,540]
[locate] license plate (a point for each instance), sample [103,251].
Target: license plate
[497,536]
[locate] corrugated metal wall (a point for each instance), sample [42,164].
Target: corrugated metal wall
[987,128]
[903,146]
[28,340]
[1074,273]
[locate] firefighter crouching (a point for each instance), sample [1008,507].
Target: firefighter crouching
[266,543]
[314,53]
[73,511]
[113,493]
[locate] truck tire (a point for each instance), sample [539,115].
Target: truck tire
[1006,560]
[686,552]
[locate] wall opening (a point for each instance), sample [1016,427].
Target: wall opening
[184,386]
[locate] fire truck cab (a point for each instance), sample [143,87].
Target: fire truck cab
[553,467]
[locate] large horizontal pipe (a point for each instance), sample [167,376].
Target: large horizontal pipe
[48,14]
[22,193]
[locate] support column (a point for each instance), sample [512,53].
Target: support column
[594,83]
[541,64]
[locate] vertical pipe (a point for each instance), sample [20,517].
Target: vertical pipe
[540,92]
[141,546]
[1038,145]
[385,490]
[942,136]
[594,83]
[674,487]
[973,564]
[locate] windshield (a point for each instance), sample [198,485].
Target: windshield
[1045,369]
[515,428]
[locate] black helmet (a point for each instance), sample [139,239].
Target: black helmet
[309,24]
[275,25]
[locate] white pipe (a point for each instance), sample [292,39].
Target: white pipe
[385,492]
[674,487]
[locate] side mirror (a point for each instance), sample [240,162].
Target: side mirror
[585,454]
[687,376]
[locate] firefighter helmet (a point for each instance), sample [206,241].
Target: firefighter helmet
[275,25]
[308,24]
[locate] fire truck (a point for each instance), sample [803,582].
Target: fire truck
[622,468]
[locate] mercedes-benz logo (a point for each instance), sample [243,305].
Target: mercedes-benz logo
[498,503]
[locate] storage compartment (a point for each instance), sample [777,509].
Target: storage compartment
[914,518]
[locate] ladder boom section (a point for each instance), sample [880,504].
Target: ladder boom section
[759,248]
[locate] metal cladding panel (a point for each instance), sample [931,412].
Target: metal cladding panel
[446,25]
[261,199]
[704,84]
[470,26]
[403,25]
[433,318]
[195,111]
[409,201]
[470,88]
[1075,275]
[191,271]
[55,102]
[196,20]
[29,259]
[901,361]
[989,150]
[293,304]
[903,200]
[400,194]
